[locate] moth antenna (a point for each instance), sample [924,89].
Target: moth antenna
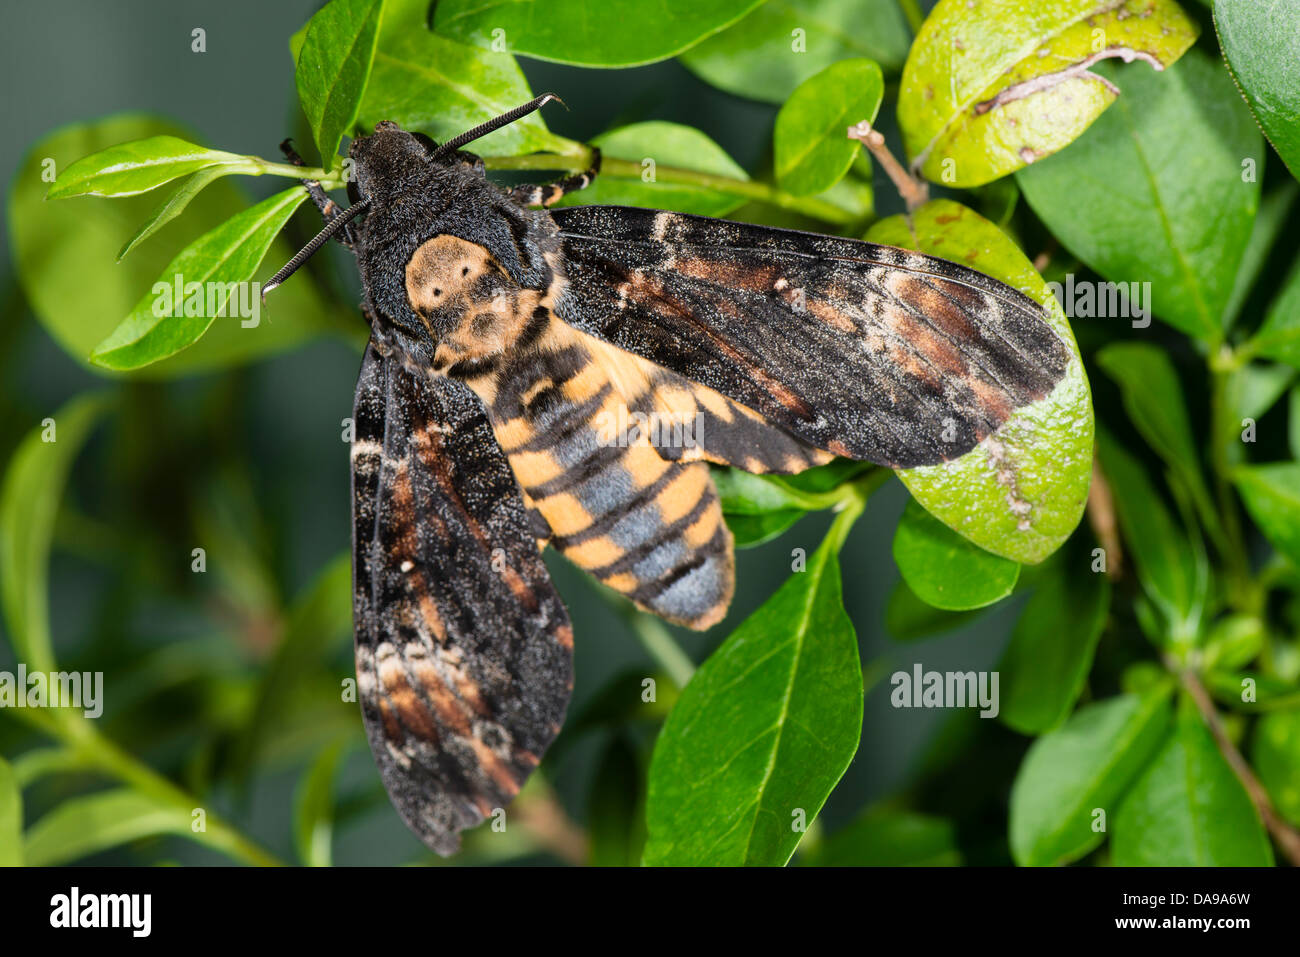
[324,236]
[505,119]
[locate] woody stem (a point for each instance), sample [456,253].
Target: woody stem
[914,192]
[1288,839]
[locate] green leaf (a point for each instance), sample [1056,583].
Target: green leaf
[1234,642]
[621,33]
[758,508]
[1172,572]
[1156,193]
[313,809]
[784,42]
[1141,677]
[654,144]
[991,87]
[173,206]
[136,167]
[1045,666]
[945,570]
[1275,754]
[762,732]
[743,493]
[334,67]
[162,322]
[1251,390]
[749,531]
[1279,335]
[1293,422]
[615,818]
[83,826]
[1272,497]
[1153,398]
[1021,492]
[1266,693]
[907,618]
[1188,809]
[886,838]
[81,237]
[422,81]
[1273,216]
[11,817]
[1084,766]
[813,151]
[29,505]
[1262,50]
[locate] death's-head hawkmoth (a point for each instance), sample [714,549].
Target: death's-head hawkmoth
[511,345]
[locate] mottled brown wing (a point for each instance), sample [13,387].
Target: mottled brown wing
[464,649]
[867,351]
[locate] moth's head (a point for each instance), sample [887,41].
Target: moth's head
[401,181]
[392,161]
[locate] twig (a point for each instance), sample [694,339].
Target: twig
[1044,259]
[914,192]
[1101,516]
[1287,838]
[542,816]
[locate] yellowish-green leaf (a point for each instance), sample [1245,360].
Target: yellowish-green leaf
[195,287]
[136,167]
[82,236]
[29,505]
[174,205]
[812,149]
[993,86]
[11,817]
[88,825]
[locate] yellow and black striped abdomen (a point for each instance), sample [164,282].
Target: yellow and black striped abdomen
[647,526]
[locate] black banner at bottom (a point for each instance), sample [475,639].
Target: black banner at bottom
[215,906]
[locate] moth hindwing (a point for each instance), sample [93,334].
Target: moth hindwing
[566,377]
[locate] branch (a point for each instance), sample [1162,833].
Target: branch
[539,812]
[1101,516]
[1287,838]
[914,192]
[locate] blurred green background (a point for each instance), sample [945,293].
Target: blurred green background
[249,465]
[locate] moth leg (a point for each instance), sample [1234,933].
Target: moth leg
[329,209]
[546,194]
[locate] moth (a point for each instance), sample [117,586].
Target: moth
[509,341]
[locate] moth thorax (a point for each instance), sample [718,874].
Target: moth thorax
[469,303]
